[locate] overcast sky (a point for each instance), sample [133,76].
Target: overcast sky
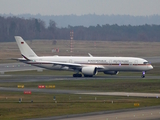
[81,7]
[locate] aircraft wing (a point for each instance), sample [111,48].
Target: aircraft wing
[70,65]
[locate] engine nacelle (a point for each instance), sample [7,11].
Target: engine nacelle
[89,70]
[111,72]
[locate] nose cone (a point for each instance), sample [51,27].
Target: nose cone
[150,67]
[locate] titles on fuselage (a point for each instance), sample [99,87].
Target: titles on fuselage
[97,61]
[110,61]
[120,61]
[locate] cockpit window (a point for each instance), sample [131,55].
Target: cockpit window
[145,63]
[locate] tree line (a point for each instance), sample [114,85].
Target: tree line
[36,29]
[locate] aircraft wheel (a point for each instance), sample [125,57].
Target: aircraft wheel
[77,75]
[143,76]
[88,75]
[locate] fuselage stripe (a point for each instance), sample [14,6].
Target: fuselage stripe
[98,64]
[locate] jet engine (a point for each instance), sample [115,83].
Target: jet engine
[111,72]
[89,71]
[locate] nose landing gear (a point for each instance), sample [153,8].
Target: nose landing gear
[143,74]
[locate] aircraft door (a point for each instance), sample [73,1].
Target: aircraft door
[70,61]
[110,62]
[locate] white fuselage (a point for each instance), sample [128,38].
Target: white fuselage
[105,63]
[88,66]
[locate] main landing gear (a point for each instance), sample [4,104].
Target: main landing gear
[77,75]
[80,75]
[88,75]
[143,74]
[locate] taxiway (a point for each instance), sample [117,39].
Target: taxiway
[132,114]
[145,113]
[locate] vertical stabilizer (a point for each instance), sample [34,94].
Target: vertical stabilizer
[25,50]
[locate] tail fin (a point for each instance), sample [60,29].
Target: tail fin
[25,50]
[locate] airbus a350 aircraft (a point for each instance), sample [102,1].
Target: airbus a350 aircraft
[88,66]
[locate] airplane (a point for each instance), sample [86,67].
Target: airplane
[88,66]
